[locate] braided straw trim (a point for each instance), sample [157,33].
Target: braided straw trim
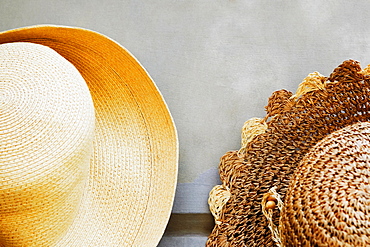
[295,124]
[251,128]
[218,197]
[220,194]
[366,71]
[269,202]
[314,81]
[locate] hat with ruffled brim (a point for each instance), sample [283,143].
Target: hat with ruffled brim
[272,148]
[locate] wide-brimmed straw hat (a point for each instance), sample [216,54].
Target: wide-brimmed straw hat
[273,146]
[88,148]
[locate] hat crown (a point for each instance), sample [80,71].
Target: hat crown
[46,135]
[328,199]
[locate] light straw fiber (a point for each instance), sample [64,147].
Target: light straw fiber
[133,170]
[46,131]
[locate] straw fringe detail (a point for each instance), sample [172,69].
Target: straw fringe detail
[218,197]
[271,201]
[295,123]
[251,128]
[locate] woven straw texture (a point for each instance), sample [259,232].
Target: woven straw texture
[295,123]
[328,199]
[127,193]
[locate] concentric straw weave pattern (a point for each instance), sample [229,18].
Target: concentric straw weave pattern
[328,199]
[295,123]
[133,169]
[46,131]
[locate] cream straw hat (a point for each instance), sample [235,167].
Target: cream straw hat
[88,148]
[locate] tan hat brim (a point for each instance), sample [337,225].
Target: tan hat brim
[133,172]
[270,155]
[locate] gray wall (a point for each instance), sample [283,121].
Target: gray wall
[216,63]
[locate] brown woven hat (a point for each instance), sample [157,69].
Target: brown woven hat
[272,148]
[88,148]
[328,198]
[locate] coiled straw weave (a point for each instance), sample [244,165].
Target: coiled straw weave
[328,199]
[295,123]
[123,195]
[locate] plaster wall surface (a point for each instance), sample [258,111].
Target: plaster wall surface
[216,62]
